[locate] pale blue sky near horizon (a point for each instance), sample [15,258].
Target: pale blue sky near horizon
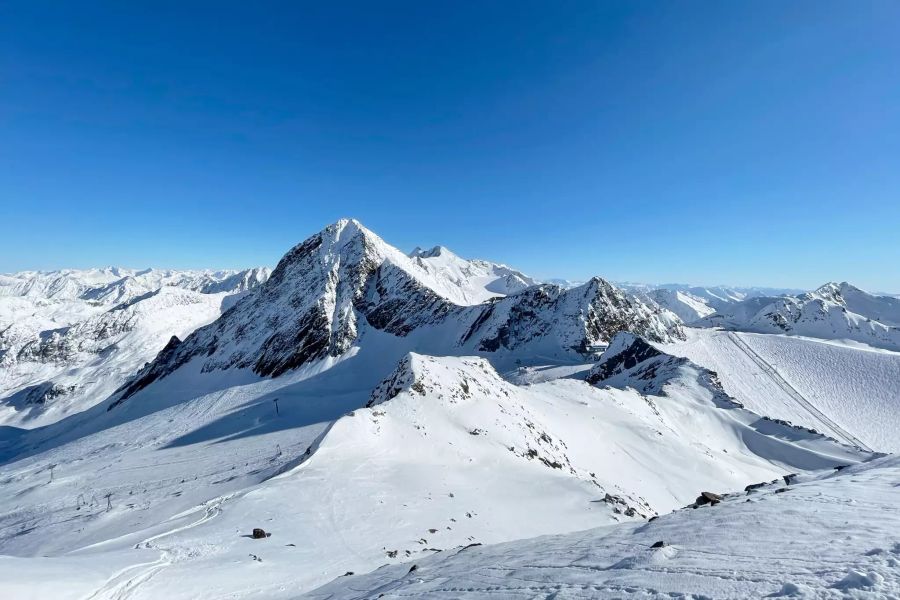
[700,142]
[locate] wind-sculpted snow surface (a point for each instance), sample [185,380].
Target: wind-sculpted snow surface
[829,535]
[328,289]
[834,311]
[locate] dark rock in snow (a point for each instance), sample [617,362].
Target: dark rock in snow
[707,498]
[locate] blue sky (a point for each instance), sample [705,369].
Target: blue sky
[705,142]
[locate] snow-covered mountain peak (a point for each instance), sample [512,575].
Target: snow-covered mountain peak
[832,311]
[421,374]
[329,289]
[113,285]
[476,280]
[430,253]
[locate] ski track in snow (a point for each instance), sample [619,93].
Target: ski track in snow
[123,584]
[793,393]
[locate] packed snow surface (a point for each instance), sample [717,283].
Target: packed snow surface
[848,391]
[829,535]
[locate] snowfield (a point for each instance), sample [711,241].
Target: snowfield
[847,391]
[828,535]
[423,418]
[47,373]
[447,454]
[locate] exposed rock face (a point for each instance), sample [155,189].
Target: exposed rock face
[575,319]
[328,288]
[309,308]
[631,361]
[625,354]
[41,393]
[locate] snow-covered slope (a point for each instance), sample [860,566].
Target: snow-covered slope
[45,375]
[834,311]
[844,390]
[69,338]
[478,280]
[693,303]
[685,305]
[446,453]
[832,535]
[566,283]
[327,291]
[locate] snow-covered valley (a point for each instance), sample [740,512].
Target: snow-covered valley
[368,407]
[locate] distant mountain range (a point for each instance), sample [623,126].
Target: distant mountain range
[70,337]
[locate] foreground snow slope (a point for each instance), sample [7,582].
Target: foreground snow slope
[447,453]
[834,535]
[846,391]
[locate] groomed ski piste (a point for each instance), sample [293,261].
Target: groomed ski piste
[844,389]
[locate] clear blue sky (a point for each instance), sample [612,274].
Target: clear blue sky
[706,142]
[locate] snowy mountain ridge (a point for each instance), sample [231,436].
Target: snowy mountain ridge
[479,280]
[329,289]
[112,285]
[833,311]
[47,374]
[69,338]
